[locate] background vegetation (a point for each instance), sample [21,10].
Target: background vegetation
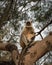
[15,13]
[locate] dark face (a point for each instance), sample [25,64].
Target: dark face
[28,24]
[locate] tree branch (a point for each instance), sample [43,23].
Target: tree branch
[38,50]
[44,27]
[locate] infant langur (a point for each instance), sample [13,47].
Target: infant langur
[27,35]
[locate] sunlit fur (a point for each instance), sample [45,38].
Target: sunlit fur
[27,35]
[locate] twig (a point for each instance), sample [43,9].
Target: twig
[41,35]
[44,27]
[3,3]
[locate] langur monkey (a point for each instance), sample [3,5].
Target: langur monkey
[27,35]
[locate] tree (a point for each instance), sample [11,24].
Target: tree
[12,13]
[35,51]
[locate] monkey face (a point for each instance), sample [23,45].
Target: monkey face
[28,23]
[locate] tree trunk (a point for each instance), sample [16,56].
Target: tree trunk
[38,50]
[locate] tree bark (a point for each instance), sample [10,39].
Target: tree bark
[2,46]
[38,50]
